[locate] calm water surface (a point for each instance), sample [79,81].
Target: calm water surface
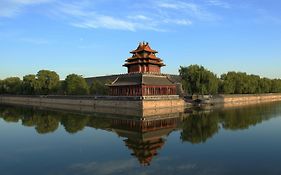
[244,140]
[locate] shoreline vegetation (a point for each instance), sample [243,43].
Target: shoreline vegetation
[199,80]
[47,82]
[195,80]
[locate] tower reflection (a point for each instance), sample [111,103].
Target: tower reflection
[145,137]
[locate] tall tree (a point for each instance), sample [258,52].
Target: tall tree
[30,85]
[198,80]
[75,85]
[228,83]
[265,85]
[99,88]
[239,83]
[1,86]
[48,81]
[242,83]
[276,86]
[12,85]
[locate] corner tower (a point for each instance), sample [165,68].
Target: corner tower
[144,60]
[144,76]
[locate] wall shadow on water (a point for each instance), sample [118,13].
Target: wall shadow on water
[145,138]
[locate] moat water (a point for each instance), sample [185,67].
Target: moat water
[244,140]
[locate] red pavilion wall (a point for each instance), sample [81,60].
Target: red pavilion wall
[142,90]
[143,68]
[153,68]
[148,90]
[134,68]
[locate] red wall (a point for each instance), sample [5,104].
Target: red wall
[143,90]
[153,68]
[143,68]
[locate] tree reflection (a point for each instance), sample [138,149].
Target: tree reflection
[10,115]
[46,124]
[73,123]
[48,121]
[244,117]
[199,126]
[145,138]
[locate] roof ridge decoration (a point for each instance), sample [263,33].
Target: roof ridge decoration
[143,46]
[115,80]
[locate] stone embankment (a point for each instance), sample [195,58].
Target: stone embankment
[140,106]
[233,100]
[244,99]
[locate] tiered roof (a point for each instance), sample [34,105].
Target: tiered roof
[145,137]
[142,79]
[145,150]
[143,46]
[144,55]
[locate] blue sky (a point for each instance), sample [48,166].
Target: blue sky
[94,37]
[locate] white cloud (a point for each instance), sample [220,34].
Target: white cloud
[30,1]
[79,16]
[169,5]
[104,168]
[9,8]
[83,18]
[194,10]
[155,15]
[139,17]
[180,5]
[219,3]
[184,22]
[131,166]
[107,22]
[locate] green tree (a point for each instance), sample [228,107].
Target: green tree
[30,84]
[49,82]
[12,85]
[198,80]
[240,83]
[253,86]
[276,86]
[228,83]
[1,86]
[99,88]
[265,85]
[75,85]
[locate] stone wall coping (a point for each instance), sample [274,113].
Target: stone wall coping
[87,97]
[246,95]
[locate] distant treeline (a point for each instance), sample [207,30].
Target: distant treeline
[195,80]
[198,80]
[47,82]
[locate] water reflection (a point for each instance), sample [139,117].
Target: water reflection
[145,138]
